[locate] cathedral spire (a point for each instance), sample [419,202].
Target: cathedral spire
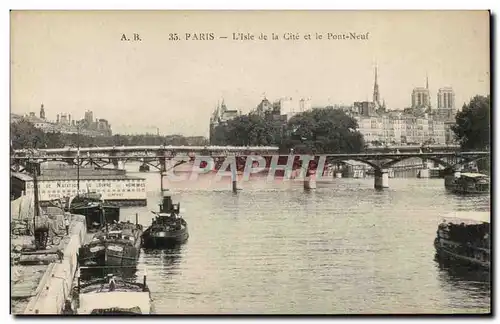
[223,106]
[429,103]
[376,94]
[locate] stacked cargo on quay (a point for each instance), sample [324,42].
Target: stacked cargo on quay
[62,181]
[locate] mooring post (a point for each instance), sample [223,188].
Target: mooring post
[310,181]
[234,178]
[381,178]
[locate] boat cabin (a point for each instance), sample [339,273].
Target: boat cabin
[114,235]
[113,296]
[119,235]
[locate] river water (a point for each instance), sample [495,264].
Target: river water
[343,248]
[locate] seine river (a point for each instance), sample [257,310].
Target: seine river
[344,248]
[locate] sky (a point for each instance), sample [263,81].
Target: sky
[73,61]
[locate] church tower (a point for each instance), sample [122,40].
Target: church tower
[42,112]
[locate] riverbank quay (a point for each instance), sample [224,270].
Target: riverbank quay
[41,283]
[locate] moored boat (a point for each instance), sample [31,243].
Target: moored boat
[94,209]
[115,245]
[168,228]
[112,296]
[468,183]
[465,238]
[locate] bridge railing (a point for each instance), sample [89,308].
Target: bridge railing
[215,148]
[155,148]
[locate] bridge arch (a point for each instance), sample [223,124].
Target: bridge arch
[436,159]
[471,159]
[344,160]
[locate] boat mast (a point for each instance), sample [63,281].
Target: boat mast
[161,185]
[162,168]
[78,161]
[35,192]
[104,219]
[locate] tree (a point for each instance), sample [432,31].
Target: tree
[323,130]
[472,128]
[249,130]
[24,134]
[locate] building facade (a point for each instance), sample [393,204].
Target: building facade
[65,125]
[397,128]
[285,106]
[220,116]
[417,125]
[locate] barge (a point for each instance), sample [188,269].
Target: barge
[117,244]
[468,183]
[95,210]
[464,238]
[111,296]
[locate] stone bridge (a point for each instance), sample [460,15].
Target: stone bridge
[100,157]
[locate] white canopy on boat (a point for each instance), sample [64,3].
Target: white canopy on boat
[468,217]
[114,299]
[473,175]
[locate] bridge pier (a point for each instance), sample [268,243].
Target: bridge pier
[424,173]
[381,178]
[118,164]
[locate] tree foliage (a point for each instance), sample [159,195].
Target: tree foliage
[324,130]
[472,128]
[24,135]
[319,131]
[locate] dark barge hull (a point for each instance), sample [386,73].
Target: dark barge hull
[169,239]
[455,258]
[462,191]
[108,255]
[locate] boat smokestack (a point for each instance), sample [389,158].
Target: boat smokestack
[167,202]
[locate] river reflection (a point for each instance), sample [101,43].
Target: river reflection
[163,262]
[465,283]
[458,274]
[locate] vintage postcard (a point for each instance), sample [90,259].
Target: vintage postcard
[250,162]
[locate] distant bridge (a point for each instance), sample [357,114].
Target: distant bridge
[148,151]
[162,150]
[156,156]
